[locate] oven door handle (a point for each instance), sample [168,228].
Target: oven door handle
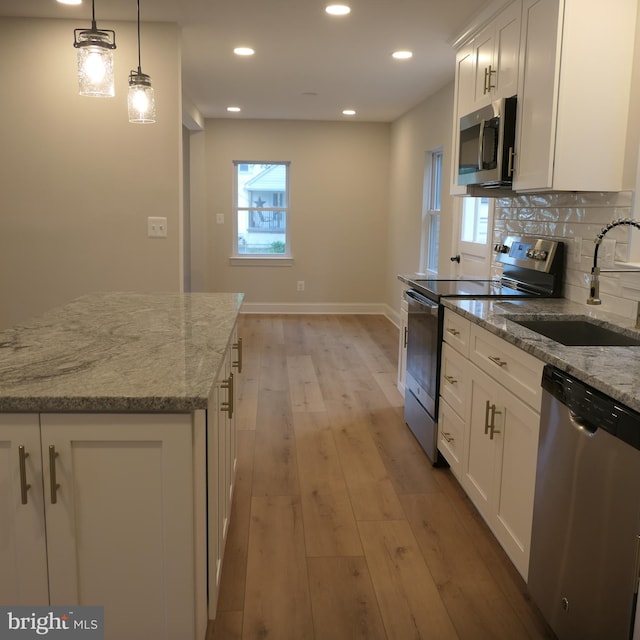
[413,296]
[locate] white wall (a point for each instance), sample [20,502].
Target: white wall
[339,197]
[77,181]
[423,128]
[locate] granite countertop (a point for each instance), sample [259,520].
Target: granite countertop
[612,370]
[117,352]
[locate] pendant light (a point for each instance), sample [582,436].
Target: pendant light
[95,59]
[141,101]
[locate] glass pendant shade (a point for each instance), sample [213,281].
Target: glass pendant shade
[95,69]
[141,100]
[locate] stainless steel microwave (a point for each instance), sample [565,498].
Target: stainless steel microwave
[486,147]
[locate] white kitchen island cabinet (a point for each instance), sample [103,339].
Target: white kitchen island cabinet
[112,500]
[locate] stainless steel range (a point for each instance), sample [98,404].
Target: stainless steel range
[532,267]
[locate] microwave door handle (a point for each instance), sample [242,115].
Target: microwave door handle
[481,146]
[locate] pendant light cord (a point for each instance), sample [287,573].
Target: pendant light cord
[93,15]
[139,63]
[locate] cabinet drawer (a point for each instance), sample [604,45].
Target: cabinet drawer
[456,331]
[451,438]
[454,379]
[517,370]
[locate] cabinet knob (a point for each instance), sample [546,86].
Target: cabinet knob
[455,258]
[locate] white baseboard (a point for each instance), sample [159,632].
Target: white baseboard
[327,308]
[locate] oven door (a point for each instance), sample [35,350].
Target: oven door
[423,365]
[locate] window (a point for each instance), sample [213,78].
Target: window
[261,194]
[475,220]
[431,213]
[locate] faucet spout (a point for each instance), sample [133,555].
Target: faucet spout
[594,284]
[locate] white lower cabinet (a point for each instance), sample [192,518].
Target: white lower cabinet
[23,544]
[499,463]
[108,518]
[222,449]
[488,427]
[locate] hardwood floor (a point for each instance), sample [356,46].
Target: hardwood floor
[341,528]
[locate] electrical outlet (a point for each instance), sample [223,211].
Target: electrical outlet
[156,227]
[220,218]
[300,285]
[607,253]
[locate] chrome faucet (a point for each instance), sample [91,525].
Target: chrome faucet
[594,285]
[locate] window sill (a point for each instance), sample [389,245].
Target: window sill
[261,261]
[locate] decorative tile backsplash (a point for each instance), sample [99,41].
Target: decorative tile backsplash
[576,218]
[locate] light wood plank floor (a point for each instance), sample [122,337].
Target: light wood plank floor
[341,529]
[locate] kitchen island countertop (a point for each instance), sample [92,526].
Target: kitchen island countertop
[118,352]
[613,370]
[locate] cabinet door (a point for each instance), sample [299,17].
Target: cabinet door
[506,51]
[482,453]
[514,502]
[537,94]
[23,553]
[119,511]
[499,472]
[485,70]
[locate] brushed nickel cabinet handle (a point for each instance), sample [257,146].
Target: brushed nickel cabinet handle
[228,405]
[238,363]
[488,72]
[492,424]
[24,487]
[496,360]
[451,380]
[53,483]
[406,335]
[453,332]
[447,436]
[487,409]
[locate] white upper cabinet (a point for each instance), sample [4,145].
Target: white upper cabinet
[488,65]
[573,94]
[570,64]
[486,70]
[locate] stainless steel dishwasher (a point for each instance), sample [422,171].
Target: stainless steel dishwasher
[583,571]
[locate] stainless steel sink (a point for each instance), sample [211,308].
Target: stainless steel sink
[583,332]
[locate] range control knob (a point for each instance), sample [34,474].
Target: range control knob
[537,254]
[501,248]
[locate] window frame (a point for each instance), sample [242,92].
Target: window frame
[431,210]
[264,258]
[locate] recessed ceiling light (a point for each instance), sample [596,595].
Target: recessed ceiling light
[348,112]
[234,109]
[338,9]
[402,55]
[70,1]
[244,51]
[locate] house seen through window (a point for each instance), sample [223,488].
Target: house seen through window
[261,205]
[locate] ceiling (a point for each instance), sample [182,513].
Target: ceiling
[308,65]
